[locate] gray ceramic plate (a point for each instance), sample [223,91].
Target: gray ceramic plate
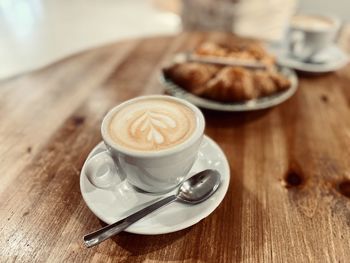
[250,105]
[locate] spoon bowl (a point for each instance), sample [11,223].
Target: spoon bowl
[199,187]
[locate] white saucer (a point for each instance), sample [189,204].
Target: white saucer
[114,204]
[331,59]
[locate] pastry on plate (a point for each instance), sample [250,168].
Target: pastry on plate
[191,75]
[229,83]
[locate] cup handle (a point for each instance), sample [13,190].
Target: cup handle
[296,42]
[101,170]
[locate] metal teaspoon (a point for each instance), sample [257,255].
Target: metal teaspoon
[194,190]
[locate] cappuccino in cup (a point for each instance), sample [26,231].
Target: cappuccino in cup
[312,23]
[152,141]
[152,125]
[310,34]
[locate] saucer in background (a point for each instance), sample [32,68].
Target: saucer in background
[331,59]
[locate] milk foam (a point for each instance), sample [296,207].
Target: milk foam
[317,23]
[152,124]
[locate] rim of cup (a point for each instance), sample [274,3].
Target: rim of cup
[198,132]
[333,18]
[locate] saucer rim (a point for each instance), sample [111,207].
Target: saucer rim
[330,66]
[186,223]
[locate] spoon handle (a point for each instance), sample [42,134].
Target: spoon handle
[106,232]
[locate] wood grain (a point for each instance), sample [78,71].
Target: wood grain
[289,198]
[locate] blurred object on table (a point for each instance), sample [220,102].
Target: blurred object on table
[168,5]
[311,44]
[250,18]
[208,15]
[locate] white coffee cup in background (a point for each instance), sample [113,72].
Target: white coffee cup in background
[152,142]
[310,34]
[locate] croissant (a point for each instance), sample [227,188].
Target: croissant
[211,49]
[191,76]
[263,83]
[281,82]
[251,51]
[230,84]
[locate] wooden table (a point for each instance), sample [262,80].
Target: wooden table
[289,196]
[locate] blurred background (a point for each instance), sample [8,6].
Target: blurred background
[34,33]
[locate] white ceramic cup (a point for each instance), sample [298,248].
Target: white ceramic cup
[306,41]
[154,171]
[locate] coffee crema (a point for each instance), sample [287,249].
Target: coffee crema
[152,124]
[309,22]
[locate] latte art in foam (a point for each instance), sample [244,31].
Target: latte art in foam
[151,125]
